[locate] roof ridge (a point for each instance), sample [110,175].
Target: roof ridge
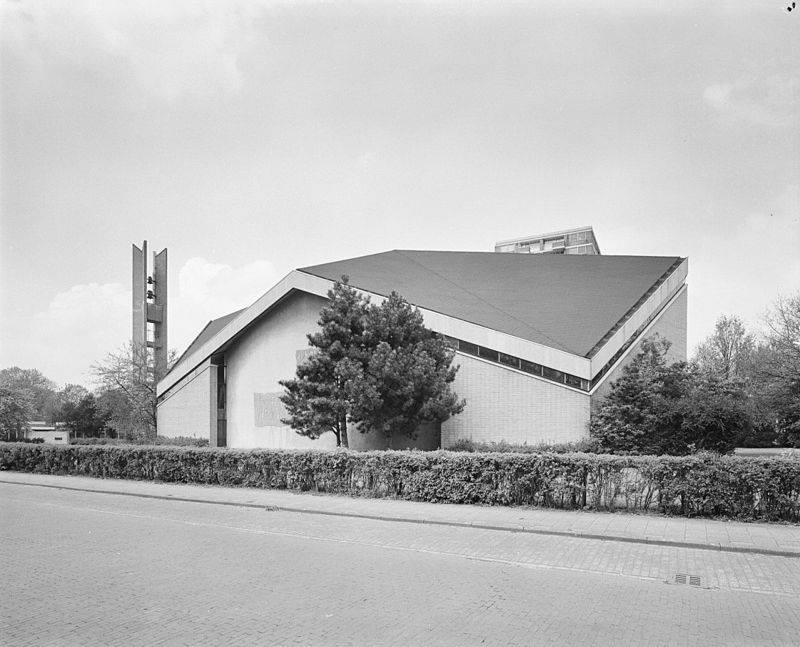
[518,256]
[558,344]
[200,334]
[627,315]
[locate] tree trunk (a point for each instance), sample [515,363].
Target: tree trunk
[343,431]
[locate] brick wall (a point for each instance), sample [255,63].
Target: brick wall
[503,404]
[671,325]
[190,406]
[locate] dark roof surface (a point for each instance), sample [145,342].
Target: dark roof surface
[211,329]
[564,301]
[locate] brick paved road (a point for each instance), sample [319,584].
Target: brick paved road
[93,569]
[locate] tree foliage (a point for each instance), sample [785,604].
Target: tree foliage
[39,390]
[63,401]
[317,399]
[660,408]
[779,368]
[16,409]
[768,369]
[405,376]
[84,418]
[373,366]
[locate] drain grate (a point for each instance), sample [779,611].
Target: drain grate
[683,578]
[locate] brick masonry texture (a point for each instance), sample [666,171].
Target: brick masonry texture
[191,405]
[503,404]
[671,325]
[151,572]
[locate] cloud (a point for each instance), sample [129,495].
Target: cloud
[771,101]
[169,49]
[208,290]
[78,327]
[81,325]
[752,281]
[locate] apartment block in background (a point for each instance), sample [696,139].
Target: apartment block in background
[571,241]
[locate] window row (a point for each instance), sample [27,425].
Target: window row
[520,364]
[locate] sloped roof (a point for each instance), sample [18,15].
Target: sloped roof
[563,301]
[210,329]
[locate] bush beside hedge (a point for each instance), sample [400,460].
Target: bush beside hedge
[177,441]
[588,445]
[697,485]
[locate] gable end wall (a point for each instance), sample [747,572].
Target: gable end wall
[670,325]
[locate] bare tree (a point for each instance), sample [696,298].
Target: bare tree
[783,337]
[127,380]
[728,351]
[777,369]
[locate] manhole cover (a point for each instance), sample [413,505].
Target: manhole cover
[683,578]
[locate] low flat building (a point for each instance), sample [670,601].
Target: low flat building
[538,339]
[52,434]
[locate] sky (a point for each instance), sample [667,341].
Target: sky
[251,138]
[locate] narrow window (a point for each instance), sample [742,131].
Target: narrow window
[508,360]
[530,367]
[488,353]
[552,374]
[575,381]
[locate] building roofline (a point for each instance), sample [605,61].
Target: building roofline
[200,334]
[305,281]
[562,232]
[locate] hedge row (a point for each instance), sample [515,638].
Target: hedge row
[702,484]
[177,441]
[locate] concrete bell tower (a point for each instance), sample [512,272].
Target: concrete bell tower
[150,307]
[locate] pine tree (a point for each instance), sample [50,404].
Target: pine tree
[316,399]
[406,378]
[660,408]
[374,366]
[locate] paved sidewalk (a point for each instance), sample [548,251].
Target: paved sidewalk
[743,537]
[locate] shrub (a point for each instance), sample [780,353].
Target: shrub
[697,485]
[587,446]
[176,441]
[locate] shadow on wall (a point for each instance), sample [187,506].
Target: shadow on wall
[428,438]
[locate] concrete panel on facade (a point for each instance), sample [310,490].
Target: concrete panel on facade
[255,364]
[669,325]
[507,405]
[190,407]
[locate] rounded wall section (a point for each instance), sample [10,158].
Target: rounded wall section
[427,438]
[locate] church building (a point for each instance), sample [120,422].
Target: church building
[538,338]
